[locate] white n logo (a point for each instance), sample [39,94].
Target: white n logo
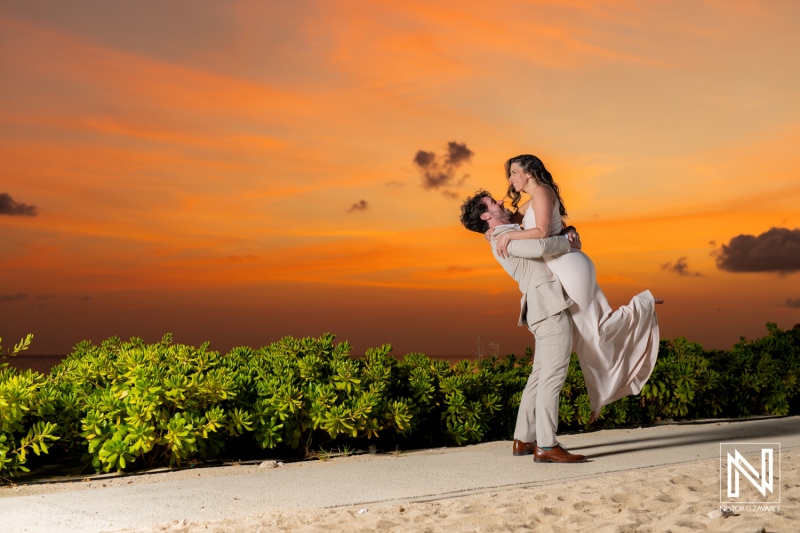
[740,464]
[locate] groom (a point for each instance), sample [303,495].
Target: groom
[543,311]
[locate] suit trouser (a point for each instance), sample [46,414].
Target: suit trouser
[537,419]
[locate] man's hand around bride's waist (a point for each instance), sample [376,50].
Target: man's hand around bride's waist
[572,235]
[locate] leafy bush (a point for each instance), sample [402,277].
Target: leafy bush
[126,404]
[758,377]
[26,404]
[166,403]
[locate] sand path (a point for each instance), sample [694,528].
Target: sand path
[656,478]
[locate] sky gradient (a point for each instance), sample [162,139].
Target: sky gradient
[236,172]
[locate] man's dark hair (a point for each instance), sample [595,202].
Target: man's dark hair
[471,211]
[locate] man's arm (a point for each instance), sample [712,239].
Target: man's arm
[572,235]
[537,248]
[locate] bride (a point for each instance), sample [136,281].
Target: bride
[617,350]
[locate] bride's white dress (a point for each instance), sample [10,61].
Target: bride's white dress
[617,350]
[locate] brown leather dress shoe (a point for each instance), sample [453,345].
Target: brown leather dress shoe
[523,448]
[556,454]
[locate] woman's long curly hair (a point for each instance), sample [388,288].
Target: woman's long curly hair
[533,165]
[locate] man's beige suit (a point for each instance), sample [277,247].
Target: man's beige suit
[543,311]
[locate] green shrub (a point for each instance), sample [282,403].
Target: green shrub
[26,405]
[160,403]
[760,377]
[126,404]
[164,403]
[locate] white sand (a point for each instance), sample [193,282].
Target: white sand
[663,478]
[672,498]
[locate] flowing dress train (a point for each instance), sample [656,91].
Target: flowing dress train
[617,350]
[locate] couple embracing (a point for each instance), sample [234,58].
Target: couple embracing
[562,306]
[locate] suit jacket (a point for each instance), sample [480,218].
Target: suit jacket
[542,293]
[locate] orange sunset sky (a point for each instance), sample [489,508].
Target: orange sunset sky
[241,171]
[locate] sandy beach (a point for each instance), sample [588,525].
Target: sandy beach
[653,479]
[674,498]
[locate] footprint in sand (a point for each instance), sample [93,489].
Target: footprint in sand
[666,498]
[580,506]
[679,480]
[630,499]
[510,509]
[691,524]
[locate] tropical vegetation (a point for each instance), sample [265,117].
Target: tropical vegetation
[123,405]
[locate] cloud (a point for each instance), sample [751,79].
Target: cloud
[776,250]
[395,184]
[12,297]
[458,153]
[794,304]
[679,267]
[439,175]
[10,207]
[424,159]
[361,205]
